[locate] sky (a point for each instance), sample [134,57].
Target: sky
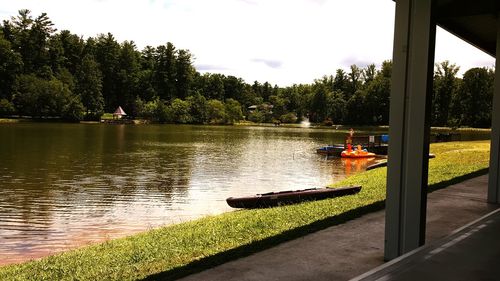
[284,42]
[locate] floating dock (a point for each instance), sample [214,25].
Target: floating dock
[372,143]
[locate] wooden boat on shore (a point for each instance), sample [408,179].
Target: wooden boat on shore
[289,197]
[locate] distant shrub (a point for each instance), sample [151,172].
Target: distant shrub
[6,108]
[328,122]
[92,116]
[73,110]
[257,116]
[288,118]
[233,111]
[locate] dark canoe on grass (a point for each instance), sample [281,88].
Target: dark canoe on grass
[289,197]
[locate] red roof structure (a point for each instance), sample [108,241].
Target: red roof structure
[119,112]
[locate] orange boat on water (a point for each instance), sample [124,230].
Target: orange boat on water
[358,153]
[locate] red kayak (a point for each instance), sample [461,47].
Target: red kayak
[289,197]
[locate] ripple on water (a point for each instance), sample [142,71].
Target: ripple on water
[84,184]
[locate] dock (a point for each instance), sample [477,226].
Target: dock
[372,143]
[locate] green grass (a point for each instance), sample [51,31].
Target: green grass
[8,120]
[107,116]
[174,251]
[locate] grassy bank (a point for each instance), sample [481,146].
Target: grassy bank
[175,250]
[11,120]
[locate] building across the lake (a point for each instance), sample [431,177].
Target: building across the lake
[119,113]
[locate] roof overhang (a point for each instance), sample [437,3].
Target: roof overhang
[474,21]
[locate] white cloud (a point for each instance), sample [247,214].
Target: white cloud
[306,38]
[449,47]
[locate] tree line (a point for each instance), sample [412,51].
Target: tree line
[49,74]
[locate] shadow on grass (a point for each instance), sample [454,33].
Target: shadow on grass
[246,250]
[456,180]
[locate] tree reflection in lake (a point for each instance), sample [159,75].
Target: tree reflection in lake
[67,185]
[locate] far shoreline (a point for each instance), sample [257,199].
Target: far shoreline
[242,123]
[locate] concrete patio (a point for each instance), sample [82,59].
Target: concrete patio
[470,253]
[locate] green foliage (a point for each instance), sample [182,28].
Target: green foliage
[73,109]
[66,50]
[89,86]
[150,110]
[386,70]
[42,98]
[6,108]
[10,66]
[106,54]
[288,118]
[279,105]
[341,82]
[293,97]
[356,105]
[138,108]
[161,112]
[179,111]
[336,111]
[369,73]
[214,87]
[128,65]
[184,73]
[473,101]
[319,102]
[216,112]
[233,111]
[377,93]
[257,116]
[445,87]
[29,37]
[106,74]
[198,108]
[234,87]
[165,71]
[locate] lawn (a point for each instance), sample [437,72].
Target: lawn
[9,120]
[173,251]
[107,116]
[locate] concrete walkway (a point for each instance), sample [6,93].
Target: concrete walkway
[345,251]
[470,253]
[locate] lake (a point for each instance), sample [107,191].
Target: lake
[67,185]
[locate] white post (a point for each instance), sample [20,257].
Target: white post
[493,180]
[412,76]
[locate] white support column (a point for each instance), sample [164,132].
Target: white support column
[494,171]
[412,75]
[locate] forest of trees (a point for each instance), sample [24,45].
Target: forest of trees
[49,74]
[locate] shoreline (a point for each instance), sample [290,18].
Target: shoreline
[340,128]
[215,239]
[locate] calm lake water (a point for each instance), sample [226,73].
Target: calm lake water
[68,185]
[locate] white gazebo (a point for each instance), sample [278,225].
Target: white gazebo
[119,113]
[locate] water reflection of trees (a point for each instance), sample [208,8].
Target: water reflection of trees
[57,174]
[62,177]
